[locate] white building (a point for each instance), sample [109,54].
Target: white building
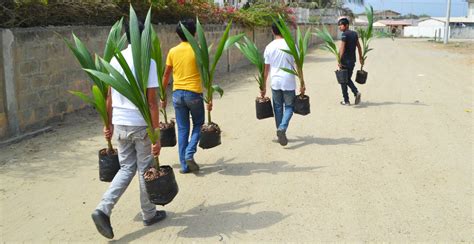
[425,28]
[460,27]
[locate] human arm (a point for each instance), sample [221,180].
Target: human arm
[155,119]
[109,127]
[342,48]
[359,50]
[266,70]
[166,78]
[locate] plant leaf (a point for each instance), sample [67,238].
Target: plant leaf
[84,97]
[100,103]
[218,89]
[291,71]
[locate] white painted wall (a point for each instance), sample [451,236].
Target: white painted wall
[426,28]
[470,11]
[422,31]
[431,23]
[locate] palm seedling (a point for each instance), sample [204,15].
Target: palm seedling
[108,158]
[159,180]
[298,50]
[251,52]
[210,132]
[167,129]
[330,45]
[365,36]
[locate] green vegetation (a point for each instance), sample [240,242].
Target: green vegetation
[115,41]
[251,52]
[134,85]
[297,49]
[205,66]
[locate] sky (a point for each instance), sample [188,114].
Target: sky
[434,8]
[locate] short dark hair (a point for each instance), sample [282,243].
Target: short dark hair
[189,25]
[127,29]
[343,21]
[275,29]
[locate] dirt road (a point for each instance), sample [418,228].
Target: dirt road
[398,167]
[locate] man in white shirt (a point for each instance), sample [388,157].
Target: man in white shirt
[283,84]
[135,150]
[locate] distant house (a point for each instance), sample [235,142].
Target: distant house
[386,14]
[460,27]
[457,21]
[396,27]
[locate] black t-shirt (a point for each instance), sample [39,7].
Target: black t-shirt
[350,38]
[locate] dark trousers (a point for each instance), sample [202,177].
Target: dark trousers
[350,83]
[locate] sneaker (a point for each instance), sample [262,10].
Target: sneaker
[192,165]
[357,101]
[282,137]
[346,103]
[102,223]
[160,215]
[184,171]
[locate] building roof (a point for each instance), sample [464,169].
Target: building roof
[455,19]
[378,24]
[395,22]
[360,21]
[386,11]
[380,12]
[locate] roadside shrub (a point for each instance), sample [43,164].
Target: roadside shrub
[29,13]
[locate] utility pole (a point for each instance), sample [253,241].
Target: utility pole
[446,25]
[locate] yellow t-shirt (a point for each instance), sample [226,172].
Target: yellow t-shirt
[185,71]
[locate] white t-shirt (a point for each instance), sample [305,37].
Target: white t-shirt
[276,58]
[125,112]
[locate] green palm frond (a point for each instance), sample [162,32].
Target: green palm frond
[201,50]
[251,52]
[133,85]
[328,42]
[367,34]
[115,41]
[297,49]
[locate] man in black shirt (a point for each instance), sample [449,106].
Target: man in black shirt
[350,40]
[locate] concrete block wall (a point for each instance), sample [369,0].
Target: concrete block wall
[3,114]
[37,70]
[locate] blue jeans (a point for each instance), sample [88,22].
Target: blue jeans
[283,104]
[350,83]
[185,103]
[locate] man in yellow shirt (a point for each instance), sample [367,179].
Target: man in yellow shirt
[187,96]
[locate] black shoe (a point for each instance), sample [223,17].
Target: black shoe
[357,101]
[282,137]
[192,165]
[184,171]
[160,215]
[102,223]
[346,103]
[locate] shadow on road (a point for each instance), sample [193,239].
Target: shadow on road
[223,167]
[375,104]
[302,141]
[220,220]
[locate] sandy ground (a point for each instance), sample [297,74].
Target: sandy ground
[398,167]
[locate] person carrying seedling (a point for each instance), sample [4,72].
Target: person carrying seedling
[187,96]
[350,40]
[135,150]
[283,84]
